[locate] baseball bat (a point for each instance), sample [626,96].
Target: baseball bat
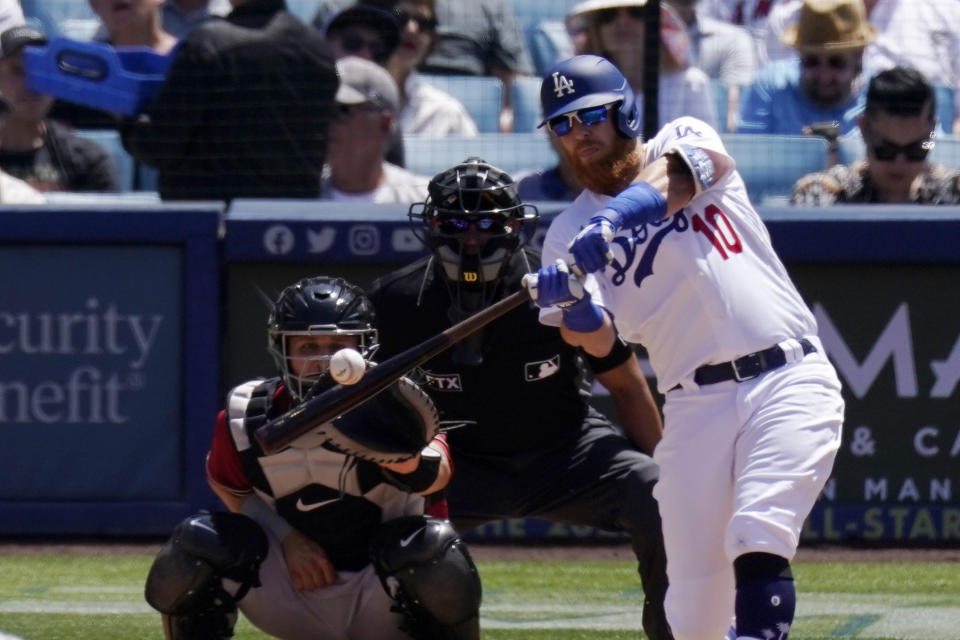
[339,399]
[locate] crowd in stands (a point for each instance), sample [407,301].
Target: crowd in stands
[357,170]
[250,107]
[898,127]
[43,152]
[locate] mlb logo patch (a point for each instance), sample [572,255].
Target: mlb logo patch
[534,371]
[442,381]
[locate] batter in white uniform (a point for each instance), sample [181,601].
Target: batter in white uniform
[680,262]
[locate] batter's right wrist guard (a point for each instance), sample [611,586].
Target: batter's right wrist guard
[637,205]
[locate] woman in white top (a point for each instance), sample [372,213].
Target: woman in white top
[425,109]
[615,30]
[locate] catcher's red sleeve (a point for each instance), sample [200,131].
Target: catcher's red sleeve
[223,461]
[436,504]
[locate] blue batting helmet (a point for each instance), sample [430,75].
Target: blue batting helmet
[589,81]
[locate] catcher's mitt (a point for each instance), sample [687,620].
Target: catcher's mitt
[392,426]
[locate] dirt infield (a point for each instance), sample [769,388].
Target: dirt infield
[488,552]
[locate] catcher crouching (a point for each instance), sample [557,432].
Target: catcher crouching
[327,538]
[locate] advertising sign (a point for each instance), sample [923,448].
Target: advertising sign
[91,381]
[109,341]
[893,333]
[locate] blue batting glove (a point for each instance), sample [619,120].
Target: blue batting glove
[555,286]
[591,247]
[639,204]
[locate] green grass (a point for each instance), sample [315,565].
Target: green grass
[47,597]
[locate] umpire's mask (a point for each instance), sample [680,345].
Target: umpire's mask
[473,221]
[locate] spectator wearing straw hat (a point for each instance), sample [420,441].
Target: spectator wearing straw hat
[616,30]
[825,85]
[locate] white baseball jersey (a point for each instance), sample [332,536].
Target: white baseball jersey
[711,287]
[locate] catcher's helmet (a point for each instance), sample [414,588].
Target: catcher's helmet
[321,305]
[589,81]
[473,221]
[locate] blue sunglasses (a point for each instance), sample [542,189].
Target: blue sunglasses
[563,124]
[459,224]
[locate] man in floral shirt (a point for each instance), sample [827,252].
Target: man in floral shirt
[898,130]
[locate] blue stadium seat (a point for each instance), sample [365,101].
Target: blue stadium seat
[771,164]
[850,147]
[69,18]
[109,139]
[58,10]
[532,11]
[720,93]
[511,152]
[306,10]
[547,42]
[481,95]
[144,177]
[947,151]
[526,103]
[945,111]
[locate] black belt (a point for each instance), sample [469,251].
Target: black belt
[748,367]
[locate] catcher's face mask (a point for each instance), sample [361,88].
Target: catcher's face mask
[306,356]
[313,319]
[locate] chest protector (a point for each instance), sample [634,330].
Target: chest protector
[335,499]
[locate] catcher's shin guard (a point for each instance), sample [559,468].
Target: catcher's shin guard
[425,567]
[185,583]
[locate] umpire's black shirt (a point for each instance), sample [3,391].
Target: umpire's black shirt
[527,392]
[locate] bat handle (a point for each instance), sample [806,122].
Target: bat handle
[530,280]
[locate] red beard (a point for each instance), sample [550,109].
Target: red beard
[610,173]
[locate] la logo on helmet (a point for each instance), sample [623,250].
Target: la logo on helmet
[561,84]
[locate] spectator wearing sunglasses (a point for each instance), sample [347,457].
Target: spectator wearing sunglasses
[474,38]
[826,85]
[357,169]
[363,31]
[425,109]
[898,130]
[616,30]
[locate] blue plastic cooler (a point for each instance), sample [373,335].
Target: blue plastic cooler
[94,74]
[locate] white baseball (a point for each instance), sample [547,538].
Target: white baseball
[347,366]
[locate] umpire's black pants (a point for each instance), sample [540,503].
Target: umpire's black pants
[596,477]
